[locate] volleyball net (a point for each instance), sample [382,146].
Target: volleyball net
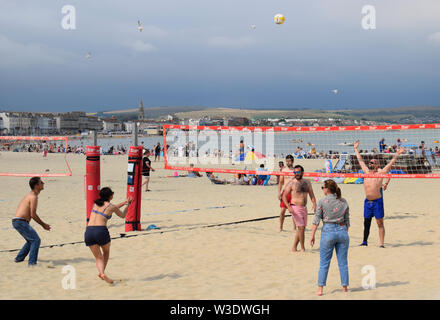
[321,151]
[37,156]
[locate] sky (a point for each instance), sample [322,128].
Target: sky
[205,53]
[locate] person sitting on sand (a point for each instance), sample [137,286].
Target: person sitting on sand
[214,179]
[193,173]
[241,179]
[97,237]
[334,212]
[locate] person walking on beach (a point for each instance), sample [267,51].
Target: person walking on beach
[157,152]
[282,183]
[373,204]
[299,189]
[241,149]
[27,210]
[146,167]
[97,237]
[334,212]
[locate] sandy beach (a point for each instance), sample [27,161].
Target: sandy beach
[194,256]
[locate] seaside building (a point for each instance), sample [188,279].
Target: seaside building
[74,122]
[19,123]
[112,125]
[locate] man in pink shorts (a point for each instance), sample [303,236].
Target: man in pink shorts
[298,189]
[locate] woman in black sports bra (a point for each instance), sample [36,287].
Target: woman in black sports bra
[97,237]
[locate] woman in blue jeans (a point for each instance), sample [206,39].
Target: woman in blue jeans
[334,212]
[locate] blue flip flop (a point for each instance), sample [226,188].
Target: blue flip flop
[152,227]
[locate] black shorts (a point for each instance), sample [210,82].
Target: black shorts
[96,235]
[146,173]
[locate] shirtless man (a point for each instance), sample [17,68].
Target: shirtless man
[27,210]
[373,205]
[284,180]
[299,188]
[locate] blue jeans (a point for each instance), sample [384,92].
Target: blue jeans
[32,244]
[333,236]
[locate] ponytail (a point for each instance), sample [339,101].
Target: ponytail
[338,193]
[333,188]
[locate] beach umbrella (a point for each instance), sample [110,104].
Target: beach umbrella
[250,156]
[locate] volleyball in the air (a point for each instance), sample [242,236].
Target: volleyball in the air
[279,18]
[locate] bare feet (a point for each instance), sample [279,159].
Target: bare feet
[105,278]
[319,292]
[344,289]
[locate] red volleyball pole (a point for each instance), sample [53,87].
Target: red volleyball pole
[134,188]
[134,184]
[93,176]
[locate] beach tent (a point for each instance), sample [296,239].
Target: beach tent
[250,156]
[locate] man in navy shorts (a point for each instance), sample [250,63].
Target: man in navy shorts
[373,204]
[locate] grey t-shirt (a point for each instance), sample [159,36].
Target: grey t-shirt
[332,210]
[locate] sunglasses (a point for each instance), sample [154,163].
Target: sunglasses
[372,162]
[324,187]
[297,172]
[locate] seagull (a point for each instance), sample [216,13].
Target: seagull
[140,28]
[89,55]
[253,26]
[335,91]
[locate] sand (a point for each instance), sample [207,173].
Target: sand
[185,259]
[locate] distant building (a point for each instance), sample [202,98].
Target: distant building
[239,121]
[73,122]
[141,114]
[128,126]
[112,124]
[46,124]
[19,123]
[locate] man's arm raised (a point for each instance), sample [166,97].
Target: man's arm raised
[393,160]
[359,157]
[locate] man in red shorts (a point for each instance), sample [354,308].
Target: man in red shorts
[284,180]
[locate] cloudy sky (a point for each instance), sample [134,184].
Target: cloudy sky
[205,53]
